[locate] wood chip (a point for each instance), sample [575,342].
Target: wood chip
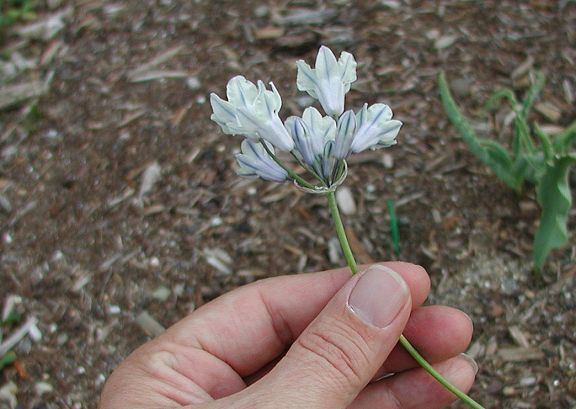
[550,111]
[268,33]
[149,178]
[13,95]
[17,335]
[153,75]
[302,16]
[523,68]
[518,336]
[149,325]
[155,62]
[358,248]
[520,354]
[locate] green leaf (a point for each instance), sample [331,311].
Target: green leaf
[563,142]
[12,318]
[484,151]
[7,359]
[524,141]
[533,93]
[553,194]
[496,99]
[546,143]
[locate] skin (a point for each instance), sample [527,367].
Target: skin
[291,342]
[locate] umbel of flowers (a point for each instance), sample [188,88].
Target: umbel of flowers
[319,143]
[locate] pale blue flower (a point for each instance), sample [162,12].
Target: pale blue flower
[320,129]
[375,128]
[329,81]
[345,134]
[302,141]
[251,111]
[254,161]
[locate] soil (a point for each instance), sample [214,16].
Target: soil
[89,246]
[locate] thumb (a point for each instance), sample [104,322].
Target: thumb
[343,348]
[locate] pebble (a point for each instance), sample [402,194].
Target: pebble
[193,83]
[346,201]
[261,11]
[114,309]
[43,387]
[5,204]
[161,293]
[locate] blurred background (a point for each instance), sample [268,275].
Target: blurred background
[120,211]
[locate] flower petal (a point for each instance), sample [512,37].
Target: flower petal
[297,129]
[224,114]
[255,160]
[241,92]
[306,79]
[347,65]
[345,135]
[375,128]
[326,64]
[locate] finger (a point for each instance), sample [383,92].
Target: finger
[416,389]
[249,327]
[437,332]
[341,350]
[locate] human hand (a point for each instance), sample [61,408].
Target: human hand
[315,341]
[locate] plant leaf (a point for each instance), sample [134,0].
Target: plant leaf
[491,156]
[533,93]
[496,99]
[564,141]
[553,194]
[546,143]
[7,359]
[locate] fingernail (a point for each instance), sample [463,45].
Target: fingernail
[470,361]
[378,296]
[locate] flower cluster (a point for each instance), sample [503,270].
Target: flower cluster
[319,143]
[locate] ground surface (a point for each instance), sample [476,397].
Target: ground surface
[88,248]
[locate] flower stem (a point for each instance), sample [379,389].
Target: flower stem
[341,233]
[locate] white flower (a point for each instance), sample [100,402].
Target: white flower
[376,128]
[254,161]
[329,81]
[251,111]
[345,135]
[320,129]
[303,143]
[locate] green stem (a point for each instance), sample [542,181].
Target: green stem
[341,233]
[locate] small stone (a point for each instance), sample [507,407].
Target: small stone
[193,83]
[8,394]
[261,11]
[114,309]
[179,290]
[445,42]
[62,339]
[42,388]
[346,201]
[154,262]
[5,204]
[161,293]
[388,161]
